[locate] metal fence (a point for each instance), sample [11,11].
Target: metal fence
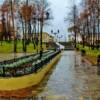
[27,65]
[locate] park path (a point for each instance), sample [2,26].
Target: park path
[70,79]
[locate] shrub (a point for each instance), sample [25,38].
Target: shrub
[77,48]
[83,52]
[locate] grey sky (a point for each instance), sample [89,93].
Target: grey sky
[60,9]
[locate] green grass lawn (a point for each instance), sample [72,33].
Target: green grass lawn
[89,51]
[7,47]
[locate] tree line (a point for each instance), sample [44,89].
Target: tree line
[86,23]
[25,18]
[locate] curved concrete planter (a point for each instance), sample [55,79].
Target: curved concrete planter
[7,84]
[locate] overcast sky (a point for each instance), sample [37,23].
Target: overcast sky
[60,9]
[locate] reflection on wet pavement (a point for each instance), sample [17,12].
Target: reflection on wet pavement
[70,79]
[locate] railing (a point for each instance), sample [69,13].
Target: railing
[18,59]
[25,66]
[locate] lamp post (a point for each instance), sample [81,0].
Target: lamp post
[41,19]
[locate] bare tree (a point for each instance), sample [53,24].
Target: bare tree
[72,18]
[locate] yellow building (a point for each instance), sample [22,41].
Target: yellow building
[47,38]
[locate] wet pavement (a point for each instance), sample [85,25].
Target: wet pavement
[72,78]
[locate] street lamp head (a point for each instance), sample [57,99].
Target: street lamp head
[58,31]
[52,31]
[47,15]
